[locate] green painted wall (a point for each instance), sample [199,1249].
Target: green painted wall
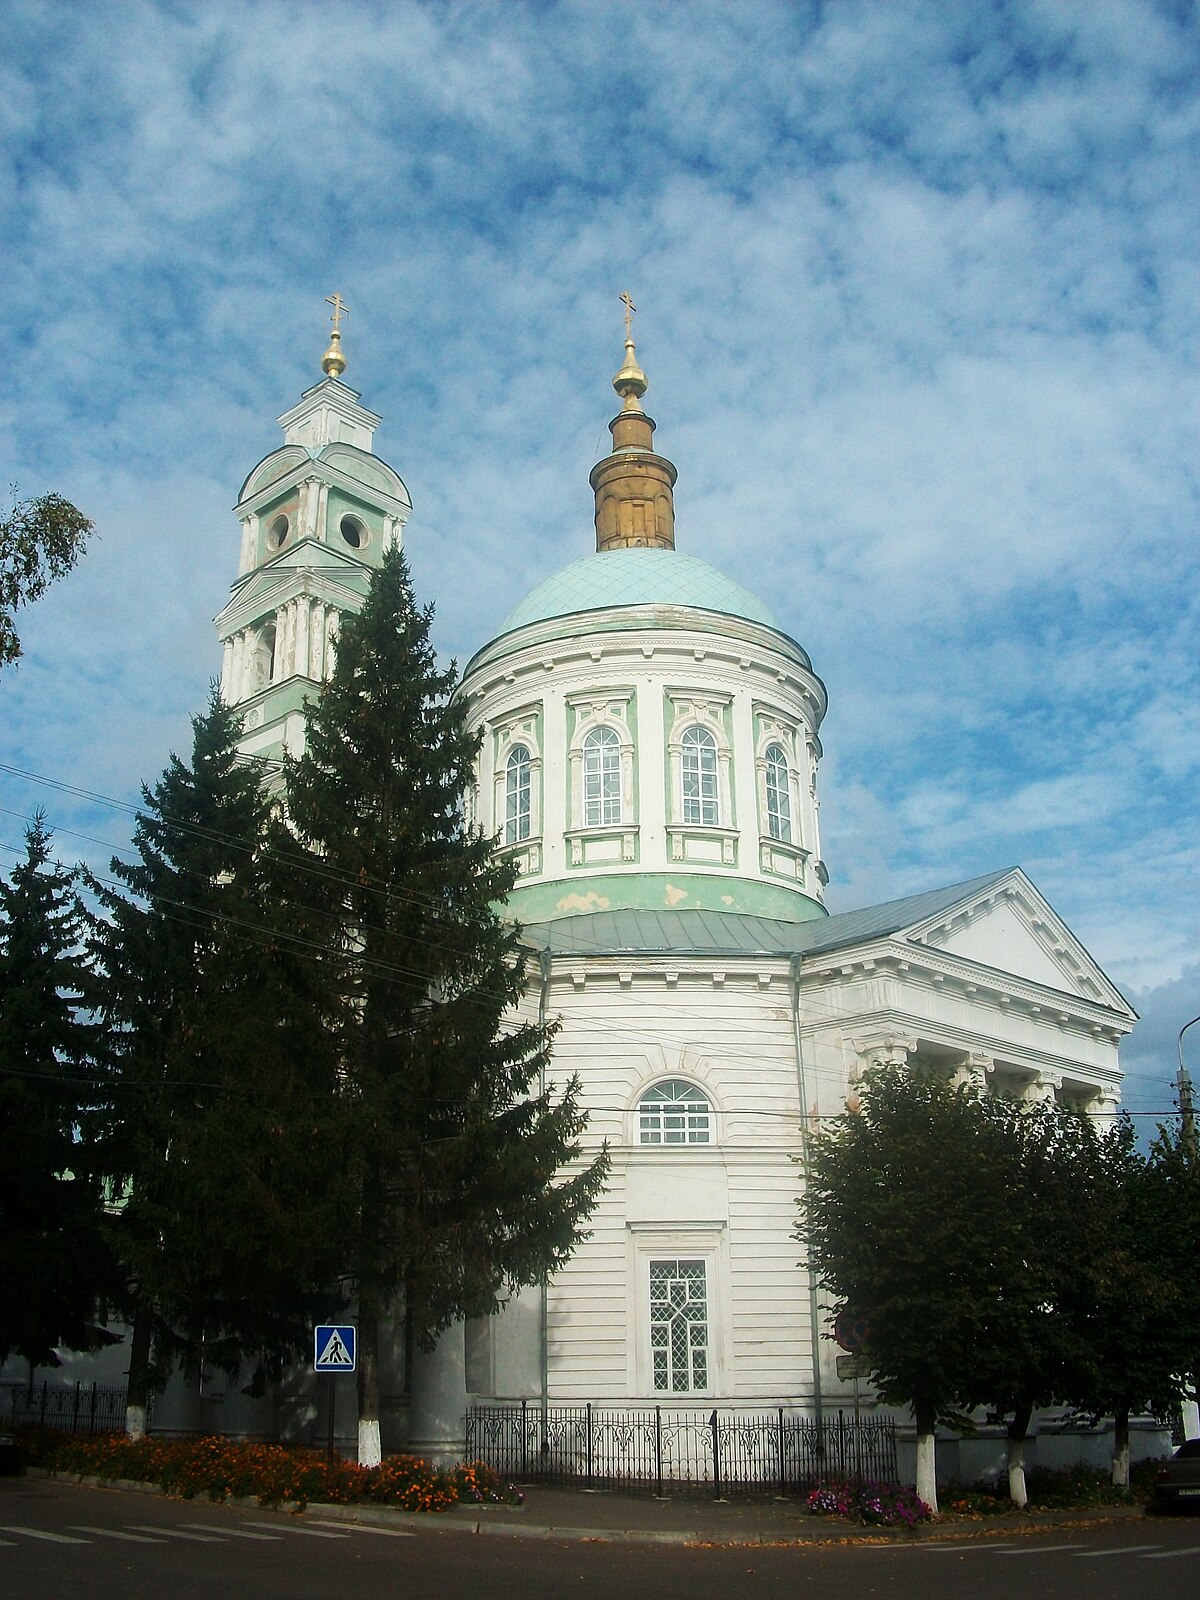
[659,891]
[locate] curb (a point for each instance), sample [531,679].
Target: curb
[473,1524]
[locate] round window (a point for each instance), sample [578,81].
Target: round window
[278,531]
[354,532]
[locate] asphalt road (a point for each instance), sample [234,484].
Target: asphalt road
[59,1541]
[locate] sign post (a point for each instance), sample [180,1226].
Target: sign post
[335,1349]
[851,1332]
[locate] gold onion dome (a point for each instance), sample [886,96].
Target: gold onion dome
[631,382]
[333,362]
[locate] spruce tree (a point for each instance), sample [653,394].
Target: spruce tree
[457,1147]
[221,1131]
[53,1265]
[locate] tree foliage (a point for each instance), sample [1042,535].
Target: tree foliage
[222,1134]
[457,1149]
[53,1264]
[40,540]
[1006,1256]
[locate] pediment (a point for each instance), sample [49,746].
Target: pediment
[364,468]
[273,468]
[310,568]
[1011,929]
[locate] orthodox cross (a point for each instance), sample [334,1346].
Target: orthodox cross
[630,308]
[340,308]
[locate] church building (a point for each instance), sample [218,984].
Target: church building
[650,760]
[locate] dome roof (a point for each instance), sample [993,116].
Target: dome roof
[637,577]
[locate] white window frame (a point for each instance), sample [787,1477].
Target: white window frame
[518,794]
[516,729]
[778,773]
[602,778]
[669,1364]
[699,777]
[700,712]
[684,1120]
[679,1241]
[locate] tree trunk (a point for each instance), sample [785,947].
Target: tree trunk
[1120,1457]
[370,1450]
[137,1395]
[1018,1432]
[926,1457]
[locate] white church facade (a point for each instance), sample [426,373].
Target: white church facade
[650,747]
[650,751]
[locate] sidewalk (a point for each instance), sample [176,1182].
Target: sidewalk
[605,1516]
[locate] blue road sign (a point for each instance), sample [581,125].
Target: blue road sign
[334,1347]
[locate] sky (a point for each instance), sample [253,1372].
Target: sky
[918,295]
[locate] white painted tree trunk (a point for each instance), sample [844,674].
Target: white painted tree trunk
[1017,1491]
[135,1422]
[1120,1457]
[927,1469]
[370,1452]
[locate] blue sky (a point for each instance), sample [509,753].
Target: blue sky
[919,292]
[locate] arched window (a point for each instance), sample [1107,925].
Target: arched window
[700,802]
[674,1113]
[601,778]
[264,657]
[517,790]
[779,804]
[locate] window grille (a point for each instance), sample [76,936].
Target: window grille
[779,805]
[674,1113]
[700,777]
[679,1326]
[601,778]
[517,791]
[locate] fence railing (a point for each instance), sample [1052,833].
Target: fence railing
[66,1407]
[780,1451]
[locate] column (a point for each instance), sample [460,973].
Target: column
[249,545]
[301,664]
[318,640]
[304,510]
[1039,1090]
[237,682]
[973,1071]
[438,1405]
[227,671]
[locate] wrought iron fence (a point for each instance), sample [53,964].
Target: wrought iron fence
[66,1407]
[784,1452]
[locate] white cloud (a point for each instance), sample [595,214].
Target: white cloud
[919,292]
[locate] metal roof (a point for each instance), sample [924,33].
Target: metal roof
[729,933]
[636,577]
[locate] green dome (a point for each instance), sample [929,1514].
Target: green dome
[636,577]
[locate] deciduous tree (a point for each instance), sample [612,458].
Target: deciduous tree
[40,540]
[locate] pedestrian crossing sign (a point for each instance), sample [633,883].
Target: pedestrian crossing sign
[334,1347]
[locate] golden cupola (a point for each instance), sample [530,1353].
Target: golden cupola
[634,487]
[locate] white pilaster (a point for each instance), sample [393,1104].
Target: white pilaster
[318,640]
[438,1407]
[301,665]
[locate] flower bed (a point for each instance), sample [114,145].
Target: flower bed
[880,1505]
[274,1474]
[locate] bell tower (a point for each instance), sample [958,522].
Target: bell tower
[317,515]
